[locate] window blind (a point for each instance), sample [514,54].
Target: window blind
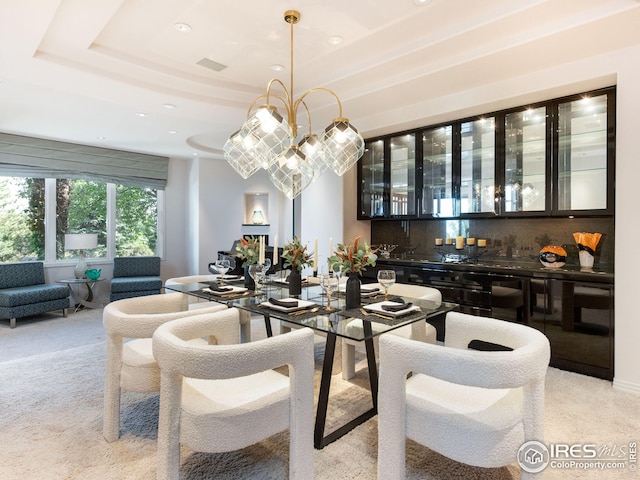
[22,156]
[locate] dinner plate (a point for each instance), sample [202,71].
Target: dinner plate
[377,308]
[227,278]
[302,304]
[234,290]
[368,290]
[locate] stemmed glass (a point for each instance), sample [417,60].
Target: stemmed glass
[329,284]
[386,278]
[223,266]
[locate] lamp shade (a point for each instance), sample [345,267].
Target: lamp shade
[80,241]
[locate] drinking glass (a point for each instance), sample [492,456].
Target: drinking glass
[386,278]
[329,284]
[223,266]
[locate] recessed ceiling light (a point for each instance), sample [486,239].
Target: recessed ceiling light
[195,154]
[101,138]
[141,114]
[277,67]
[335,40]
[169,106]
[421,3]
[182,27]
[173,132]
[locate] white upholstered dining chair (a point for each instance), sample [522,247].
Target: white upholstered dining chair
[220,398]
[475,407]
[422,331]
[129,325]
[196,303]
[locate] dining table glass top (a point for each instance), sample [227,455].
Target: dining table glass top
[310,308]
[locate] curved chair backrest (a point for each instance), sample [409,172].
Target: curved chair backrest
[416,291]
[189,279]
[209,428]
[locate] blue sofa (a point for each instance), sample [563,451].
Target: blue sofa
[135,277]
[23,292]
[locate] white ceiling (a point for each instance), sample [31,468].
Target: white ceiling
[79,70]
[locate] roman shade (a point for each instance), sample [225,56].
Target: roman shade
[22,156]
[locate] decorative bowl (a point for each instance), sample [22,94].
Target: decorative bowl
[93,274]
[553,256]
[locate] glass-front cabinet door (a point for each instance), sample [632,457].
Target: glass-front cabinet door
[525,161]
[372,184]
[477,166]
[402,194]
[583,154]
[437,172]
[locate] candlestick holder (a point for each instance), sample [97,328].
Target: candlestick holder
[467,254]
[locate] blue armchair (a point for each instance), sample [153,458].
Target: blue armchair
[23,292]
[135,277]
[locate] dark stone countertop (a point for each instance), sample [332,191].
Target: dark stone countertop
[508,267]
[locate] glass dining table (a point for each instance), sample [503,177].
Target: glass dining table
[310,309]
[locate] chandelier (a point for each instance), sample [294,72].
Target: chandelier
[270,140]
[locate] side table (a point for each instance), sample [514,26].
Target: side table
[78,299]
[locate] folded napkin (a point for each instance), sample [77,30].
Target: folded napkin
[396,308]
[369,289]
[217,288]
[283,303]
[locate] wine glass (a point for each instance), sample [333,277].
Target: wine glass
[329,284]
[223,266]
[386,278]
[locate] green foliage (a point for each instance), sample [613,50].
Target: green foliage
[295,255]
[354,257]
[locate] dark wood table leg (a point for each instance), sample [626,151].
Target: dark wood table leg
[267,325]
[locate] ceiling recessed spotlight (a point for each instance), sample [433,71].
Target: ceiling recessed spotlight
[277,67]
[101,138]
[195,154]
[421,3]
[141,114]
[182,27]
[335,40]
[169,106]
[173,132]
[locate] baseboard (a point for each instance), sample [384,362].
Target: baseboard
[626,386]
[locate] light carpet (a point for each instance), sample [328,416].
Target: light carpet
[51,387]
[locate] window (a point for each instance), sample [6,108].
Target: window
[77,206]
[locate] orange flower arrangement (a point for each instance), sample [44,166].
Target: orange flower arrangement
[248,250]
[295,255]
[354,257]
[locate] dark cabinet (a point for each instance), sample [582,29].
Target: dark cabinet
[553,158]
[577,317]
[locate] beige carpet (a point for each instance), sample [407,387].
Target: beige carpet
[51,383]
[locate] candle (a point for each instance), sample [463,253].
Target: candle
[459,243]
[438,241]
[315,256]
[482,242]
[331,252]
[275,251]
[449,241]
[261,250]
[471,241]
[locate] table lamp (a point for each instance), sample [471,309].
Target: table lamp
[80,242]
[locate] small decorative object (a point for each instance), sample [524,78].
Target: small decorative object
[385,250]
[553,256]
[93,274]
[258,218]
[587,244]
[353,259]
[296,256]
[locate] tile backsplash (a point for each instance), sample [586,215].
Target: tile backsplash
[514,239]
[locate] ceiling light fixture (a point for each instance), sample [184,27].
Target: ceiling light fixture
[182,27]
[335,40]
[270,140]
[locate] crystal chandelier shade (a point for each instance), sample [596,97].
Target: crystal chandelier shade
[268,139]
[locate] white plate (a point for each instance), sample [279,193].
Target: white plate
[302,304]
[235,290]
[377,308]
[227,278]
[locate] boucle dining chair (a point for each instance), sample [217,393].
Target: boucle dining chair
[221,398]
[130,365]
[196,303]
[422,331]
[475,407]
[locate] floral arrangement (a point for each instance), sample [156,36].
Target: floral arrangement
[295,255]
[354,257]
[248,250]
